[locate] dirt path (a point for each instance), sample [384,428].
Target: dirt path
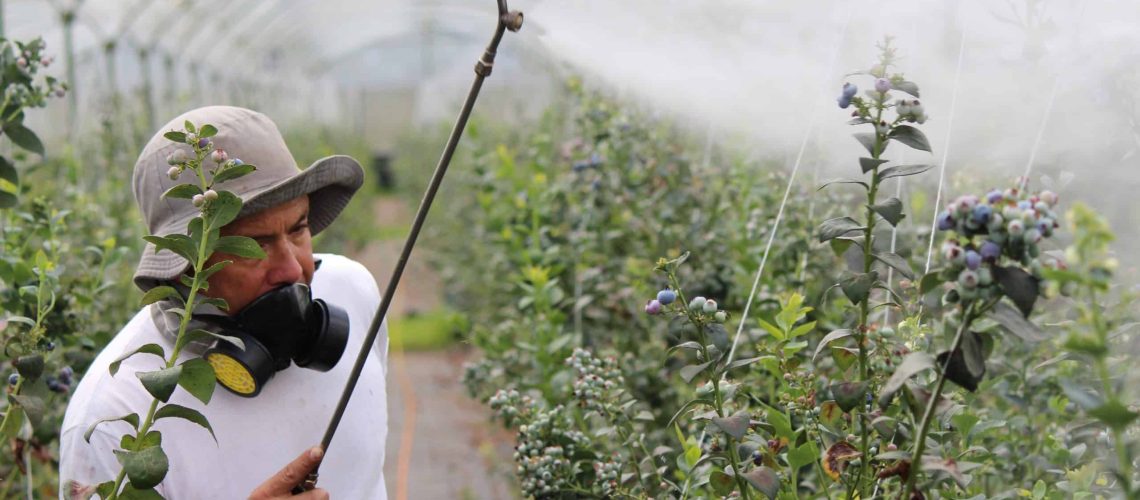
[441,443]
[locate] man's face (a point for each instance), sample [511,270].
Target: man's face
[283,233]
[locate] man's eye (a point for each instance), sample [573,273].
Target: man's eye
[300,228]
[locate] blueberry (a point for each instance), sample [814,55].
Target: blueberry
[1016,228]
[666,297]
[49,345]
[203,143]
[697,303]
[1024,205]
[580,166]
[219,156]
[237,161]
[652,307]
[843,102]
[849,90]
[13,379]
[990,251]
[945,221]
[982,214]
[710,306]
[882,85]
[973,260]
[1049,198]
[993,197]
[968,279]
[65,374]
[721,316]
[757,457]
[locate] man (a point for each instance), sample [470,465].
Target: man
[282,208]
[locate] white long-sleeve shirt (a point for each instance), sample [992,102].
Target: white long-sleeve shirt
[256,436]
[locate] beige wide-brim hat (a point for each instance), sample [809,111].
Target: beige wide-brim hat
[252,137]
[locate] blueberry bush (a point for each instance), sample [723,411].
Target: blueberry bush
[607,276]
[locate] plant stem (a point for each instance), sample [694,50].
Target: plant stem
[1101,329]
[178,344]
[920,443]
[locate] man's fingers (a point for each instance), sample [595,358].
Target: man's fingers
[283,482]
[317,494]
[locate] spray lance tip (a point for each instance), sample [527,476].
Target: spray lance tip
[513,20]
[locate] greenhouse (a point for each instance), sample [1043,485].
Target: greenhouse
[569,249]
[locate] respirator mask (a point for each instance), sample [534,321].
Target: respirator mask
[281,327]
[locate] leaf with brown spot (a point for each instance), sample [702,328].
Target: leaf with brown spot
[830,413]
[836,457]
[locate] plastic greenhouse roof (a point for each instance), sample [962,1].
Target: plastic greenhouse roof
[252,39]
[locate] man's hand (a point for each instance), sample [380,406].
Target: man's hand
[282,483]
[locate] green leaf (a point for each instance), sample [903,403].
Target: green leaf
[765,480]
[802,330]
[156,294]
[233,172]
[780,423]
[198,379]
[857,286]
[911,136]
[189,126]
[722,484]
[912,365]
[209,337]
[144,468]
[179,137]
[161,383]
[867,139]
[178,411]
[154,349]
[905,86]
[967,365]
[131,493]
[183,191]
[802,455]
[8,171]
[895,261]
[830,414]
[964,422]
[8,199]
[177,243]
[1012,321]
[931,281]
[152,438]
[223,210]
[105,489]
[30,366]
[208,131]
[1086,344]
[24,137]
[849,395]
[240,246]
[1114,414]
[829,338]
[132,419]
[735,425]
[1020,286]
[772,330]
[839,226]
[891,210]
[902,171]
[217,266]
[869,164]
[13,422]
[688,373]
[844,357]
[845,181]
[33,406]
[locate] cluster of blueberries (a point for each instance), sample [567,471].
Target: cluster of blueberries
[178,159]
[607,474]
[698,305]
[1011,223]
[59,383]
[544,451]
[909,110]
[596,378]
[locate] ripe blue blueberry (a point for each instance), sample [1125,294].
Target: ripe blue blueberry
[882,85]
[13,379]
[203,143]
[237,161]
[990,251]
[1024,205]
[65,374]
[982,214]
[973,260]
[849,90]
[993,197]
[666,297]
[945,221]
[843,102]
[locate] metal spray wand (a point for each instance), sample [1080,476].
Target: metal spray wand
[507,20]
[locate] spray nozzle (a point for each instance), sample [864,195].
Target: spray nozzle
[513,20]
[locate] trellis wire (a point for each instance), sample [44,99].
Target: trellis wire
[1040,133]
[945,151]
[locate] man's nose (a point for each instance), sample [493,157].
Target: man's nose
[284,266]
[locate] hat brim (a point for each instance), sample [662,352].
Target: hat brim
[330,183]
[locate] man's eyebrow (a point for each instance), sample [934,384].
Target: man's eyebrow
[301,221]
